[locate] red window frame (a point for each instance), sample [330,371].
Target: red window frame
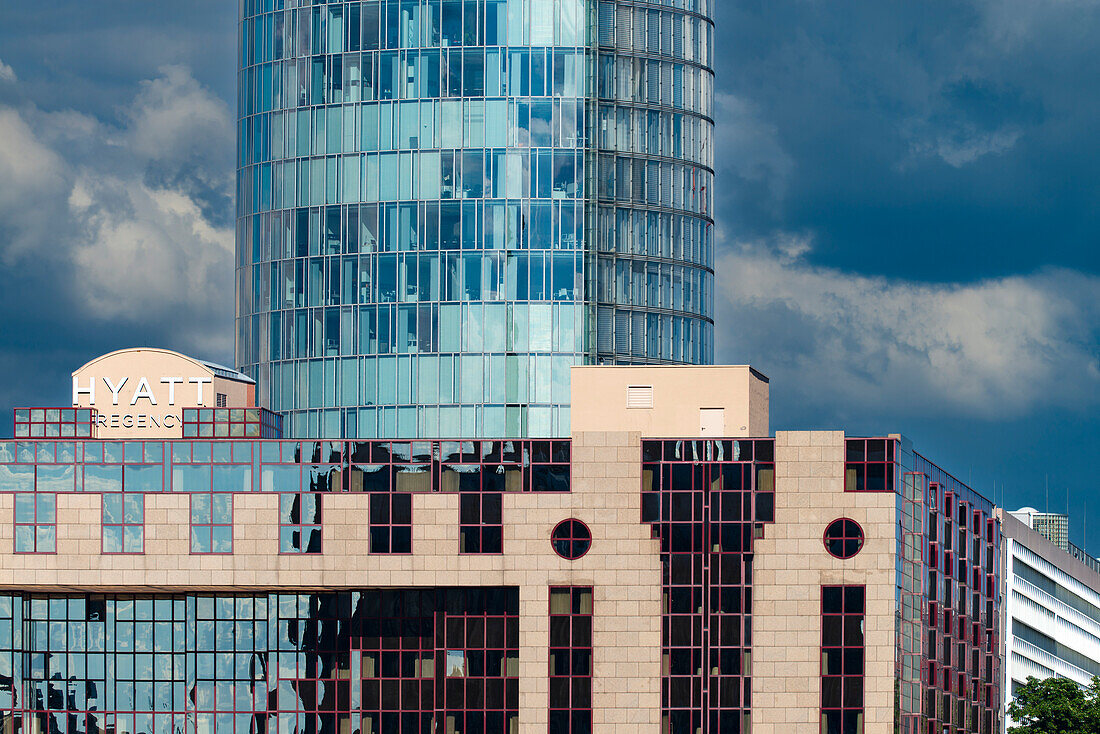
[869,464]
[845,531]
[390,523]
[205,530]
[707,501]
[122,524]
[288,526]
[843,658]
[571,539]
[571,660]
[480,505]
[35,524]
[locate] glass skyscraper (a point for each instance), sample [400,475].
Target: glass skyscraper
[445,204]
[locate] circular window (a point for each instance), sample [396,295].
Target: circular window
[571,539]
[843,538]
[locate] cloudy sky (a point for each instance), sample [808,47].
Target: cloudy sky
[908,214]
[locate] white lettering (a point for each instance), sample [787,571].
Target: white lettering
[154,422]
[101,420]
[143,391]
[171,382]
[127,421]
[115,389]
[200,381]
[141,421]
[170,421]
[78,391]
[114,420]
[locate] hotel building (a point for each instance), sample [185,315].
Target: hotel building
[668,567]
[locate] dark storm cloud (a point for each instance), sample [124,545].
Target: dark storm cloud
[907,205]
[89,56]
[113,234]
[116,197]
[908,214]
[931,140]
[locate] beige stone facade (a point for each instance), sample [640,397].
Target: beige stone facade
[791,565]
[623,567]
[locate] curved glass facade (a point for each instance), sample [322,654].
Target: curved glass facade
[653,140]
[445,204]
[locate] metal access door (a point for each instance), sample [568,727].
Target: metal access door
[712,422]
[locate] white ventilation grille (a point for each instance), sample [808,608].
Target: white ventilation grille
[639,396]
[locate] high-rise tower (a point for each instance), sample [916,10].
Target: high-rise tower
[442,206]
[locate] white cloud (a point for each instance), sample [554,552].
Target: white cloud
[183,129]
[997,347]
[964,145]
[33,184]
[148,250]
[971,147]
[124,213]
[1011,23]
[7,74]
[749,145]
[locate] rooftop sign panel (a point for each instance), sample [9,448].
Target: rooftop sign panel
[141,393]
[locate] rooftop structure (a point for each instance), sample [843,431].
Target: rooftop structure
[1053,526]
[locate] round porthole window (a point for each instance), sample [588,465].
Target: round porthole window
[843,538]
[571,539]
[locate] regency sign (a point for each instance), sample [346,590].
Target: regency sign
[142,392]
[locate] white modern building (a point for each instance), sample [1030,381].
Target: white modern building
[1051,607]
[1054,526]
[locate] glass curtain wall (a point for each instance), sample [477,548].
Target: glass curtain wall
[417,217]
[653,135]
[371,661]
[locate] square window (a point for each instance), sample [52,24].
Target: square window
[300,523]
[35,522]
[123,522]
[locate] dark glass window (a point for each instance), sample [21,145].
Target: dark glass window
[389,660]
[390,522]
[842,659]
[482,529]
[571,539]
[843,538]
[707,502]
[570,660]
[869,465]
[299,522]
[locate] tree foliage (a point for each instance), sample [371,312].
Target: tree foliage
[1056,706]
